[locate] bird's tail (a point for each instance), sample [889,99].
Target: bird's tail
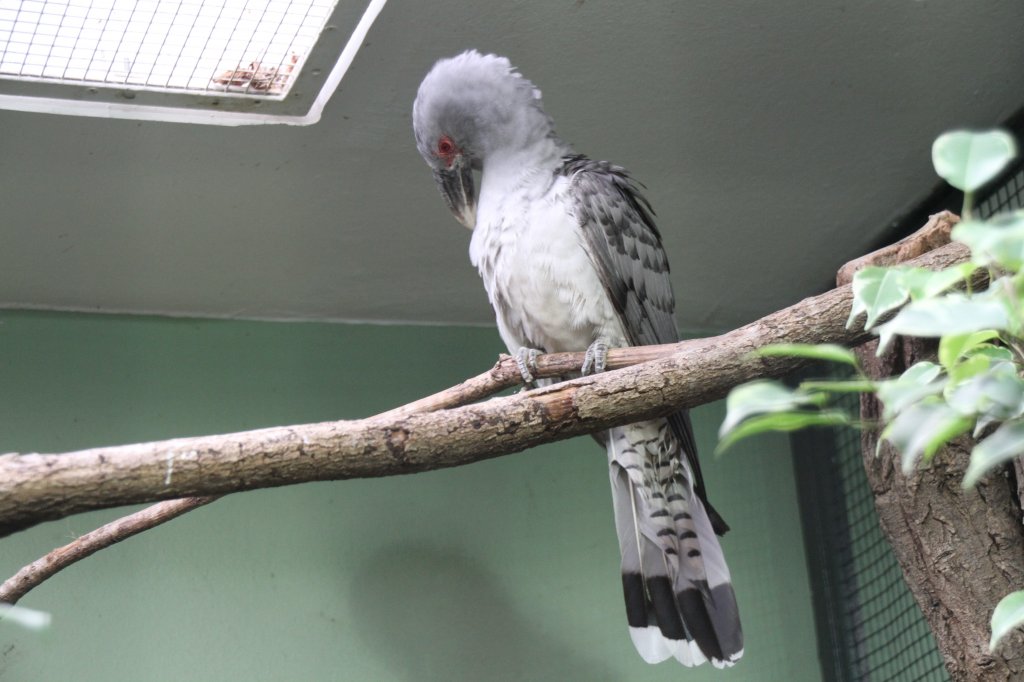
[679,597]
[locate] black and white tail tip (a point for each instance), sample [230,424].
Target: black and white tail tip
[665,625]
[679,597]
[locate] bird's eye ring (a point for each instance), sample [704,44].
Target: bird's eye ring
[445,146]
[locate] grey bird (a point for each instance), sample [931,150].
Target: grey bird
[572,261]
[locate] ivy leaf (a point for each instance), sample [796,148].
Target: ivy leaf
[781,421]
[924,283]
[923,428]
[968,369]
[876,291]
[917,383]
[952,347]
[999,241]
[967,160]
[996,394]
[839,386]
[1008,614]
[758,397]
[822,351]
[950,314]
[921,372]
[1004,444]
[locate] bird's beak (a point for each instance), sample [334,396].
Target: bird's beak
[456,185]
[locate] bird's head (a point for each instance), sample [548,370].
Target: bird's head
[468,108]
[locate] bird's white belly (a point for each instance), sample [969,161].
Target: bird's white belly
[545,292]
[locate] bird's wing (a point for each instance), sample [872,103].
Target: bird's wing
[625,248]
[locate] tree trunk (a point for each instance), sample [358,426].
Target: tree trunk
[961,551]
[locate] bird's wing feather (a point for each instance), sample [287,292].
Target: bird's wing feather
[624,245]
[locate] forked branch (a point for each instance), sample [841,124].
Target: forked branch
[435,432]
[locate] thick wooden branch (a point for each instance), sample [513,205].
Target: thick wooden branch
[934,234]
[960,550]
[504,374]
[38,487]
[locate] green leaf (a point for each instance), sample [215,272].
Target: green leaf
[994,353]
[921,372]
[954,346]
[917,383]
[967,160]
[758,397]
[781,421]
[950,314]
[921,429]
[1008,614]
[1000,241]
[876,291]
[851,386]
[924,283]
[995,394]
[969,368]
[1004,444]
[822,351]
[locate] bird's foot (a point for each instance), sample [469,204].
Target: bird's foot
[596,358]
[526,361]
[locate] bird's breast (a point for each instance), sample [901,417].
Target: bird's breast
[537,272]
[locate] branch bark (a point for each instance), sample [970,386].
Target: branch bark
[39,487]
[960,551]
[503,375]
[15,587]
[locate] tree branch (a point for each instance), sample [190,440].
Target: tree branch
[503,375]
[934,234]
[15,587]
[38,487]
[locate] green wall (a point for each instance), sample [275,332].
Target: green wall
[502,570]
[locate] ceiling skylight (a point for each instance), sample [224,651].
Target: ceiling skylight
[228,55]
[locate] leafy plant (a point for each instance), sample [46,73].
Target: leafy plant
[976,384]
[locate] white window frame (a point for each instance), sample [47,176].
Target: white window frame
[312,88]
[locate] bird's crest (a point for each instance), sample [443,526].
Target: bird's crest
[480,100]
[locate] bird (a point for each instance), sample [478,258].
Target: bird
[571,261]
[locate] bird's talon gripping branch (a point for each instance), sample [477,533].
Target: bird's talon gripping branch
[596,358]
[526,361]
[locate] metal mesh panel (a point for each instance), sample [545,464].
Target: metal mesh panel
[1008,195]
[242,46]
[894,641]
[871,627]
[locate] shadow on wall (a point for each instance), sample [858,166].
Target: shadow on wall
[434,613]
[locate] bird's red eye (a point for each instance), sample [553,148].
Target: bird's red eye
[445,147]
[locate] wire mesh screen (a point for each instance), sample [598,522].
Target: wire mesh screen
[250,47]
[1008,195]
[869,624]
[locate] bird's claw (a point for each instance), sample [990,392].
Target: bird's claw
[526,361]
[595,359]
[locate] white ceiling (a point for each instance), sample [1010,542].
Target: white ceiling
[777,140]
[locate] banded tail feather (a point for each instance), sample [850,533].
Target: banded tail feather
[679,597]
